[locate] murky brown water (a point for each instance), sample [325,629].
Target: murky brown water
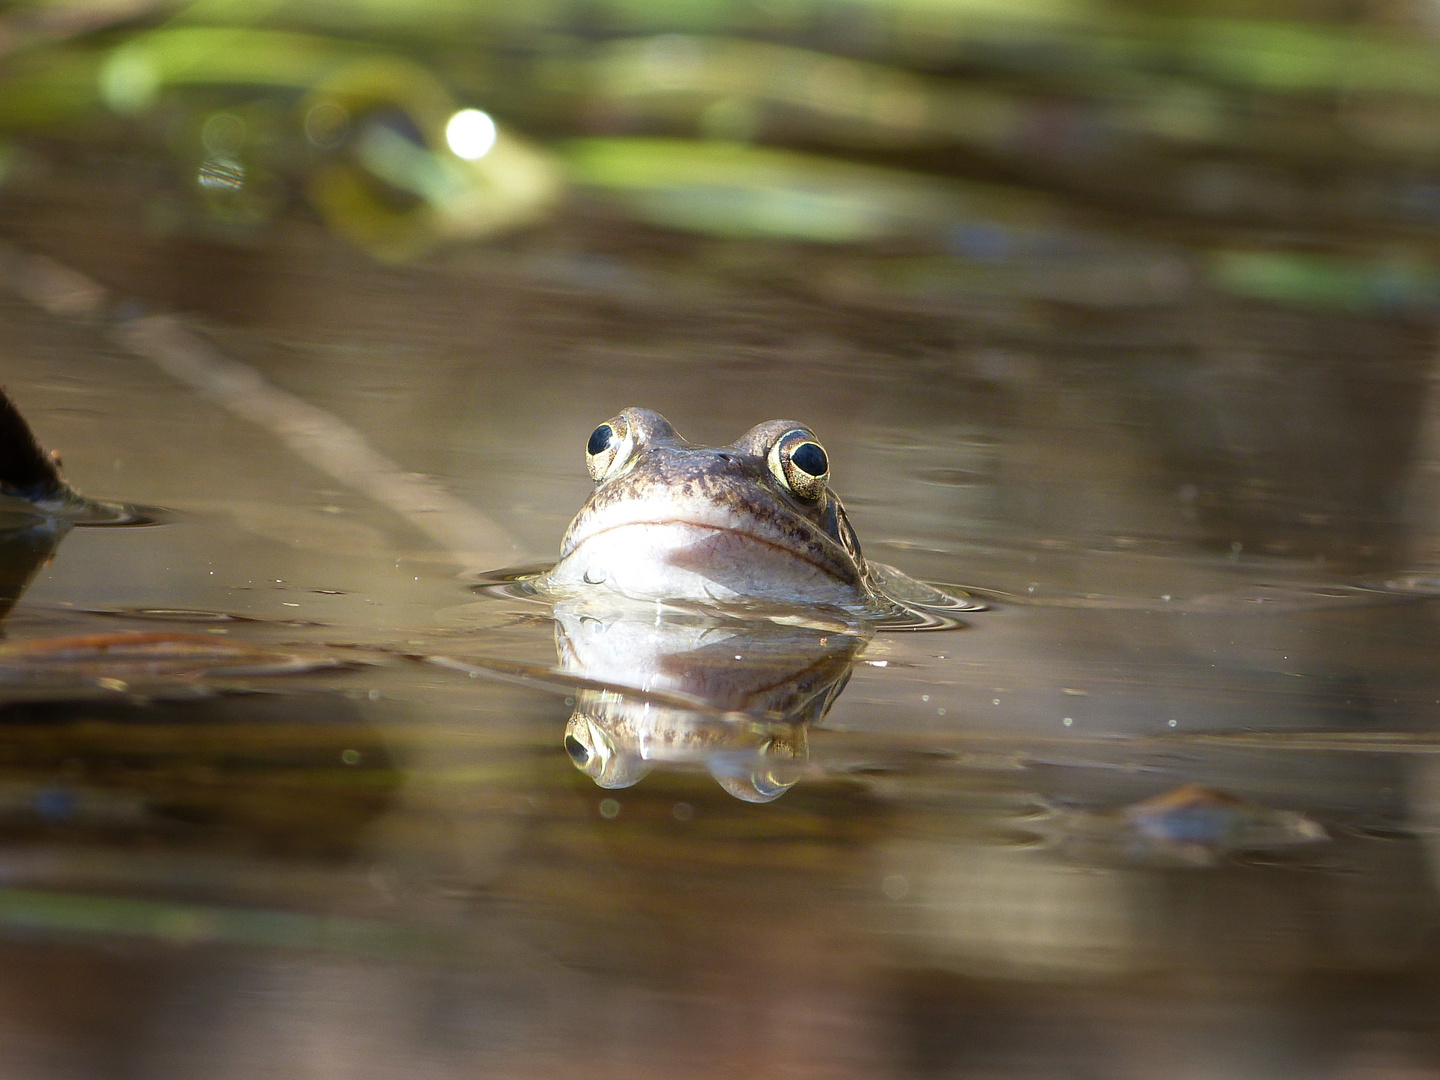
[1168,808]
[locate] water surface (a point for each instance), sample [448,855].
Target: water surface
[1167,807]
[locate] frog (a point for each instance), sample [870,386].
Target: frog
[669,520]
[753,525]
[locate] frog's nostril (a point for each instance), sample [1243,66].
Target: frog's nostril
[724,457]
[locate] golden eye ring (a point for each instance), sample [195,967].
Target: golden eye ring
[800,464]
[608,448]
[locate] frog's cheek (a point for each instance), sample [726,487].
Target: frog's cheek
[684,560]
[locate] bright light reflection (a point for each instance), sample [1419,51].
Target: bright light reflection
[470,133]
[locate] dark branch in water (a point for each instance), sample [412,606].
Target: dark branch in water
[26,470]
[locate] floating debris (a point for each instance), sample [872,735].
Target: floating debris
[144,662]
[1190,825]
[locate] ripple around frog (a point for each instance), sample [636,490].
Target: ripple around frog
[729,688]
[105,515]
[70,510]
[897,601]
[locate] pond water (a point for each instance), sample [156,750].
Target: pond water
[1168,806]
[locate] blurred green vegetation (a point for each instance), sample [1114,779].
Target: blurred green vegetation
[1306,128]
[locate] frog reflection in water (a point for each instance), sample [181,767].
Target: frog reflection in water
[756,601]
[731,696]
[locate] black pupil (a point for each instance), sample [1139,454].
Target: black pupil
[810,458]
[576,749]
[600,440]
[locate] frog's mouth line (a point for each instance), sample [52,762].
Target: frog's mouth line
[741,533]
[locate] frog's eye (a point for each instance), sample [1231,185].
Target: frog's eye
[608,448]
[800,464]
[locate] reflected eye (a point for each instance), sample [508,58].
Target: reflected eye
[800,464]
[576,749]
[608,448]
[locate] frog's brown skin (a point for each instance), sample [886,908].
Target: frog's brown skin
[673,521]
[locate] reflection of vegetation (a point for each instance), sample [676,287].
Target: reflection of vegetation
[222,774]
[57,914]
[1329,280]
